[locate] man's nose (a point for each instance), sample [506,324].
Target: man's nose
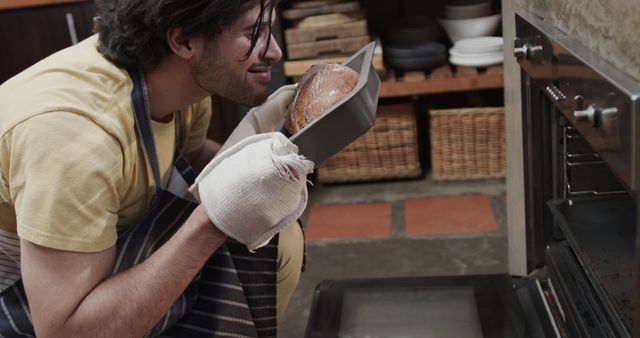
[273,52]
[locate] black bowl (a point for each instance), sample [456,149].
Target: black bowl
[411,29]
[413,50]
[417,63]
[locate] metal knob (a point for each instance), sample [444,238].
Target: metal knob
[520,52]
[527,51]
[585,115]
[535,51]
[609,113]
[595,115]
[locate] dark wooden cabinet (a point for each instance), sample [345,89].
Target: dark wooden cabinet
[28,35]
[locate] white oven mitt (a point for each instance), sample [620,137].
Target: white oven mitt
[267,117]
[255,188]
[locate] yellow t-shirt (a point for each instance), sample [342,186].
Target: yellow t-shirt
[72,170]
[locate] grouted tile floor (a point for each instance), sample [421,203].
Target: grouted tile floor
[398,228]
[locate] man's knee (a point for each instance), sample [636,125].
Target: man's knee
[290,251]
[290,255]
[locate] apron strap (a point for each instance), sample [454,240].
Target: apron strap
[140,104]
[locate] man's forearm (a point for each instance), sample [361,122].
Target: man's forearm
[129,303]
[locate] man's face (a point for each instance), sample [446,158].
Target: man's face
[223,69]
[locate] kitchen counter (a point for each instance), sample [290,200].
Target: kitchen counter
[14,4]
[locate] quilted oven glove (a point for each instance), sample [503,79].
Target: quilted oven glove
[264,118]
[255,188]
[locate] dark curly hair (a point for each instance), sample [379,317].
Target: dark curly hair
[133,32]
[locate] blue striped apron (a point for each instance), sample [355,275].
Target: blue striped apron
[234,295]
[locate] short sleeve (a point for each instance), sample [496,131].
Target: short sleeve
[198,125]
[66,179]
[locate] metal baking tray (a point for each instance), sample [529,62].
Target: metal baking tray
[348,118]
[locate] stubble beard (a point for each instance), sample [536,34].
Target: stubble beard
[217,79]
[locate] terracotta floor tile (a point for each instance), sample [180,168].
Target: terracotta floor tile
[448,215]
[352,221]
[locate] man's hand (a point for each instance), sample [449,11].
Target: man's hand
[256,187]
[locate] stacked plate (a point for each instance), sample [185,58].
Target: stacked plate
[477,52]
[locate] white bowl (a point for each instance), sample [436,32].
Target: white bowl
[477,61]
[459,29]
[468,11]
[481,44]
[457,53]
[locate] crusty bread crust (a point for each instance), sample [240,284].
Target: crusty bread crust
[320,87]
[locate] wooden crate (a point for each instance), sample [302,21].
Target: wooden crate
[300,13]
[327,19]
[326,32]
[388,150]
[326,47]
[467,143]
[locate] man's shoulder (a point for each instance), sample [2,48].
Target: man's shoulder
[78,80]
[79,65]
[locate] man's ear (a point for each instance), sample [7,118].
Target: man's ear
[184,47]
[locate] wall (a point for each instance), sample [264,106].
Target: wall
[610,28]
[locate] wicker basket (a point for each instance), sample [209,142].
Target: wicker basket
[388,150]
[467,143]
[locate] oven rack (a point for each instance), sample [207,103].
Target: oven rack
[585,173]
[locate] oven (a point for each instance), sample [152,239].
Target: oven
[580,153]
[580,140]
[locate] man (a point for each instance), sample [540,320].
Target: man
[97,236]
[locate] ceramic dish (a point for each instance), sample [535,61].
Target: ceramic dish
[476,61]
[468,11]
[418,63]
[411,29]
[482,44]
[412,50]
[470,28]
[455,52]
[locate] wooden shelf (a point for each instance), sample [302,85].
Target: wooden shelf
[442,80]
[445,79]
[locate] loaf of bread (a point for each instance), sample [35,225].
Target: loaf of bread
[320,87]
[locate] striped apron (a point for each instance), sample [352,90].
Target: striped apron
[234,295]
